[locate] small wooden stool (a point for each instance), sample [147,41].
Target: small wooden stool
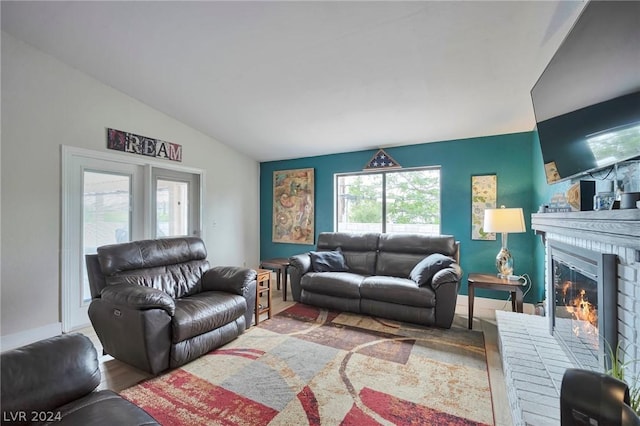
[279,265]
[263,286]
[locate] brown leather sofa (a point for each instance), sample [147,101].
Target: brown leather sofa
[406,277]
[53,381]
[157,304]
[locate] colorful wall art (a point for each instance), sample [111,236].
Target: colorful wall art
[293,206]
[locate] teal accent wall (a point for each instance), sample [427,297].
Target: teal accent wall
[542,193]
[508,156]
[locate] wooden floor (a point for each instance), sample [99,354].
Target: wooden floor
[117,375]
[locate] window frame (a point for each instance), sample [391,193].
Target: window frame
[384,173]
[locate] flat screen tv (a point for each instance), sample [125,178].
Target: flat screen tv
[587,100]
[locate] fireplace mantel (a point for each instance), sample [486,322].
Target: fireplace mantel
[619,227]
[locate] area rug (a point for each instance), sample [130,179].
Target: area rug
[310,366]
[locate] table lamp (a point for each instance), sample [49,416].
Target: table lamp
[504,220]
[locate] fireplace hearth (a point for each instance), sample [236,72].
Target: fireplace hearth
[533,360]
[583,317]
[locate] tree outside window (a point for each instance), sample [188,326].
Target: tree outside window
[399,201]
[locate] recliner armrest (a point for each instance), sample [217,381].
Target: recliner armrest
[138,297]
[302,262]
[299,265]
[232,279]
[451,274]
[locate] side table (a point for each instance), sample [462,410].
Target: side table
[492,282]
[279,265]
[263,287]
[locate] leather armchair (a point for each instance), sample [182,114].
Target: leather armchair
[53,381]
[157,304]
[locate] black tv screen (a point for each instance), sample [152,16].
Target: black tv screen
[587,101]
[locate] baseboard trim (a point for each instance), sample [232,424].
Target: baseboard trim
[15,340]
[495,304]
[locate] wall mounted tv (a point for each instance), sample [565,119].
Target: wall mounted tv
[587,100]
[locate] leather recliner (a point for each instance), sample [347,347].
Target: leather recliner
[157,304]
[53,381]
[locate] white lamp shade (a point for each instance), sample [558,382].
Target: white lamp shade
[504,220]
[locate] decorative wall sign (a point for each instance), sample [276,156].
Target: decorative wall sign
[293,206]
[484,190]
[142,145]
[382,160]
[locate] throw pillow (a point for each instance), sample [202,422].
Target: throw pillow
[328,261]
[427,268]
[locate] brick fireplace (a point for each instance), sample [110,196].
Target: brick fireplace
[534,361]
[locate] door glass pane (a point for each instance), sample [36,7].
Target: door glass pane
[106,213]
[172,208]
[360,203]
[413,202]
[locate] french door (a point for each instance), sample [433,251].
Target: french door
[106,200]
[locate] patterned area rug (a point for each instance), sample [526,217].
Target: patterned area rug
[311,366]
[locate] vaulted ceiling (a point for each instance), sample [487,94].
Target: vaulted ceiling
[278,80]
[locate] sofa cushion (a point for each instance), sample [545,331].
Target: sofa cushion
[163,281]
[178,280]
[402,291]
[146,254]
[341,284]
[427,268]
[396,264]
[417,244]
[359,250]
[204,312]
[399,253]
[328,261]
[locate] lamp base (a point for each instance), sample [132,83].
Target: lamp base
[504,263]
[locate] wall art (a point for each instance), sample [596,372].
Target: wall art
[484,193]
[293,206]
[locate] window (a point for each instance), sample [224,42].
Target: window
[401,201]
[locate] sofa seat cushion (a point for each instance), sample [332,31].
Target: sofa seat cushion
[204,312]
[102,408]
[340,284]
[402,291]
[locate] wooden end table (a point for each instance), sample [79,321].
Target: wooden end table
[492,282]
[279,265]
[263,287]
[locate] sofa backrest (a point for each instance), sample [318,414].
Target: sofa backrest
[393,255]
[399,253]
[359,250]
[173,265]
[47,374]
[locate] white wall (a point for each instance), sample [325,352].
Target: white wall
[46,104]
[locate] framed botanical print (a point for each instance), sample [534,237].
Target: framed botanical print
[484,194]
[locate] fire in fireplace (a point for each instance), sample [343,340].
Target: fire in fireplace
[583,285]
